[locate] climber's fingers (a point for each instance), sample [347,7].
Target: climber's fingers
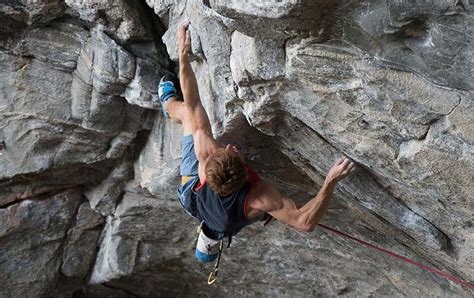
[188,39]
[347,166]
[350,168]
[346,162]
[183,26]
[184,37]
[353,168]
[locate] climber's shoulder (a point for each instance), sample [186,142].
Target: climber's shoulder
[204,145]
[264,196]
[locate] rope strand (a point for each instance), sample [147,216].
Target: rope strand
[400,257]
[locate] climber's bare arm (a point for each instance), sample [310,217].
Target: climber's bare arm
[268,199]
[188,82]
[204,142]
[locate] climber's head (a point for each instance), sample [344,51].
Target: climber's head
[225,170]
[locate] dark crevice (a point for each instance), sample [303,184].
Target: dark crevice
[460,5]
[101,166]
[148,19]
[430,125]
[455,107]
[95,172]
[97,228]
[96,251]
[152,24]
[344,291]
[285,45]
[85,292]
[72,224]
[119,200]
[73,20]
[40,196]
[133,153]
[207,3]
[140,142]
[137,257]
[108,285]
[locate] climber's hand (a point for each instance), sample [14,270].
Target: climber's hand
[184,39]
[343,167]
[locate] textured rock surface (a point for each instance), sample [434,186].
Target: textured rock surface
[79,252]
[89,170]
[33,235]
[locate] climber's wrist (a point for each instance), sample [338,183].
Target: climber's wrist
[330,181]
[183,55]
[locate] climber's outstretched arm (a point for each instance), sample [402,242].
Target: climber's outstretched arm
[188,82]
[204,142]
[268,199]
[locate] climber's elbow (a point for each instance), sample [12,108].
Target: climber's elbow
[306,228]
[306,225]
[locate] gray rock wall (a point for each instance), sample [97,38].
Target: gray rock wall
[89,167]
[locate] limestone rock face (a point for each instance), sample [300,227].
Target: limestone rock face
[89,167]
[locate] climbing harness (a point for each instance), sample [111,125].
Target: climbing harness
[400,257]
[207,248]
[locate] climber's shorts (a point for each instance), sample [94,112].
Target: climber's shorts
[189,162]
[189,174]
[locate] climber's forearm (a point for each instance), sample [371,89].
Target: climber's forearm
[314,210]
[196,112]
[284,209]
[268,199]
[188,82]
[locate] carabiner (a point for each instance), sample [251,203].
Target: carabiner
[212,276]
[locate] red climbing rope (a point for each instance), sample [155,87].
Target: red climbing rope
[388,252]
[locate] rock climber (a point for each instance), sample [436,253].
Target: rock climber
[217,186]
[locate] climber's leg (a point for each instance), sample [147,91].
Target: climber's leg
[177,111]
[174,108]
[171,106]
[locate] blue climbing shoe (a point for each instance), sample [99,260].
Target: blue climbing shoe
[166,90]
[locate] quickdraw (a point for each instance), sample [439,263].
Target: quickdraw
[213,275]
